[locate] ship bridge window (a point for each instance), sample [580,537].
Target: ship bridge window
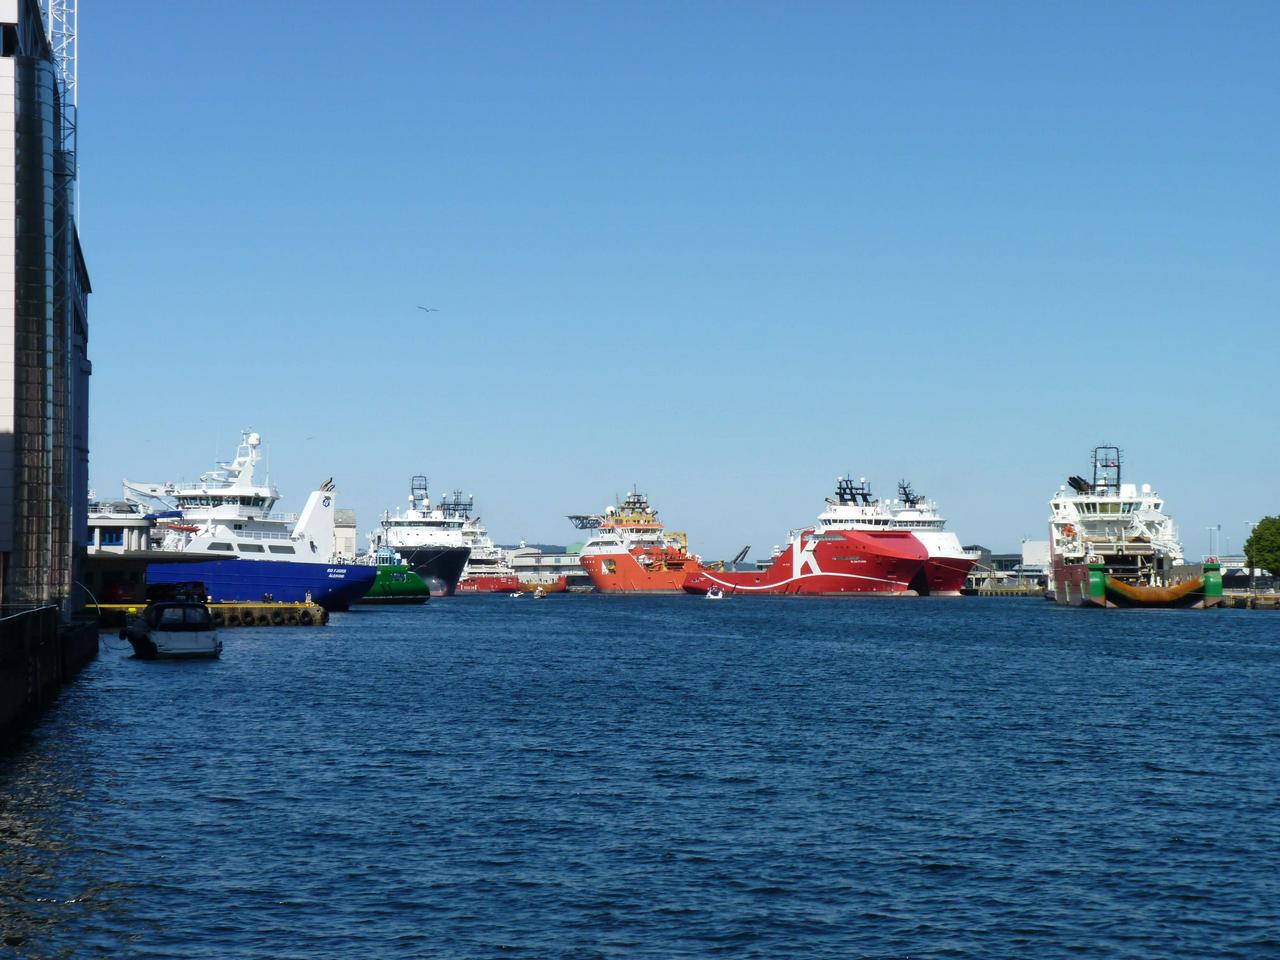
[276,548]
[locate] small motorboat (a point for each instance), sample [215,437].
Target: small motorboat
[715,593]
[515,596]
[173,629]
[539,594]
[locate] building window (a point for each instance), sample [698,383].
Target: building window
[112,538]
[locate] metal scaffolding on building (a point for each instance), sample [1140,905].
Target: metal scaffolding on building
[62,19]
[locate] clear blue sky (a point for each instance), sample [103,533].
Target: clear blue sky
[722,250]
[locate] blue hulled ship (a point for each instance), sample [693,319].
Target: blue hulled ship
[286,558]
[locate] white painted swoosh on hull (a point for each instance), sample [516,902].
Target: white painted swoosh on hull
[808,576]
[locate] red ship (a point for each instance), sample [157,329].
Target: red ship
[630,552]
[859,546]
[487,584]
[835,563]
[488,568]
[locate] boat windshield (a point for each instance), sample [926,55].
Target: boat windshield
[184,618]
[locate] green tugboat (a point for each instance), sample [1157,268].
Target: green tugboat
[396,583]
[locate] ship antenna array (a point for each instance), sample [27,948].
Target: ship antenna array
[1106,469]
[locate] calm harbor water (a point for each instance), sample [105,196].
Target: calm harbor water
[663,777]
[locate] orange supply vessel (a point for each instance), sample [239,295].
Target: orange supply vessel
[630,552]
[556,585]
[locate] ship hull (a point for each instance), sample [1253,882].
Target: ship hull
[944,576]
[333,586]
[625,573]
[489,584]
[1089,585]
[835,564]
[558,585]
[440,567]
[396,583]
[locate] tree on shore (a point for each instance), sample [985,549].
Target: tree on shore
[1263,546]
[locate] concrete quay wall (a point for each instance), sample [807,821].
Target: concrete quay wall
[38,655]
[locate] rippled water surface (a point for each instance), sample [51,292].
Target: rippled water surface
[663,777]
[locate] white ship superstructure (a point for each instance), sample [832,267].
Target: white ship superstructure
[430,539]
[487,558]
[1121,524]
[226,511]
[629,550]
[1111,544]
[947,563]
[631,527]
[227,515]
[488,569]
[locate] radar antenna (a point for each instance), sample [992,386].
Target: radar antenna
[849,492]
[907,495]
[456,505]
[1106,470]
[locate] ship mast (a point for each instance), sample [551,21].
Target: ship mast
[1106,471]
[849,492]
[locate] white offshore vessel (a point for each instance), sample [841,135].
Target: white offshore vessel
[289,558]
[488,569]
[430,540]
[1112,545]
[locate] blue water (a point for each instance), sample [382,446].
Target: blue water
[663,777]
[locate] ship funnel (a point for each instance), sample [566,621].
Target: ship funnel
[314,531]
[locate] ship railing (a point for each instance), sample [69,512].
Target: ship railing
[238,511]
[213,483]
[1131,548]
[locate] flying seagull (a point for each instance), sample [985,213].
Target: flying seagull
[430,309]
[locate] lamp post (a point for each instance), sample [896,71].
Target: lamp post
[1250,524]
